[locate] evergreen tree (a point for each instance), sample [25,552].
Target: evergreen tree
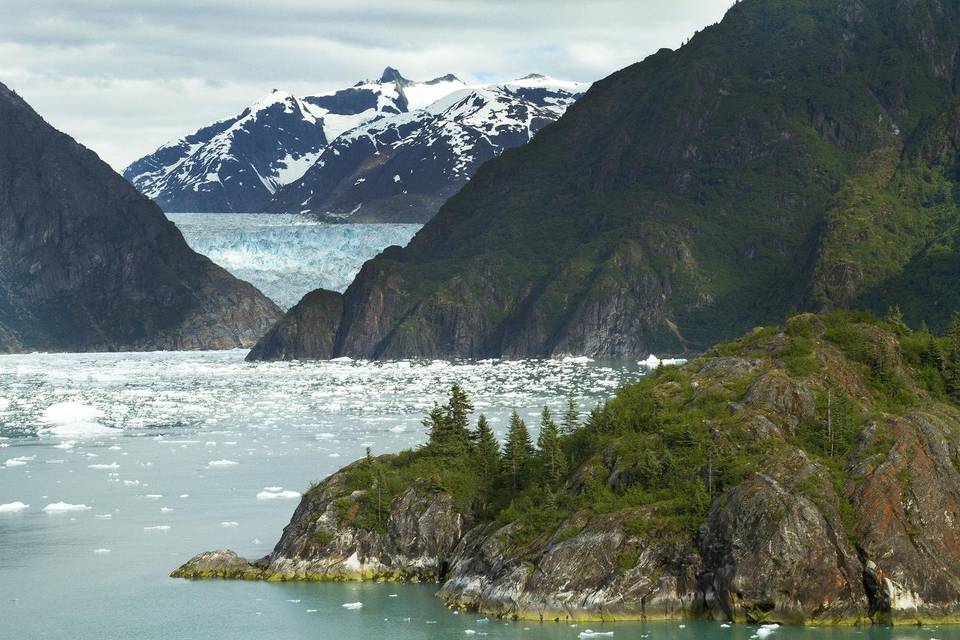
[517,451]
[951,368]
[438,430]
[895,318]
[486,450]
[571,417]
[551,450]
[458,417]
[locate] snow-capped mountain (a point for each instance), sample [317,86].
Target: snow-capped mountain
[401,168]
[389,149]
[238,163]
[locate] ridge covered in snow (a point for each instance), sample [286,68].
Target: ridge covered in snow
[245,163]
[402,168]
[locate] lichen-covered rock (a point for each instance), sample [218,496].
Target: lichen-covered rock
[222,563]
[600,572]
[772,555]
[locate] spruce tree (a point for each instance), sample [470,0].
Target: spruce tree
[571,417]
[551,450]
[438,430]
[951,368]
[895,318]
[458,417]
[486,450]
[517,451]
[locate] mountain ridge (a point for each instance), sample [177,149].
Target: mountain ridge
[782,159]
[89,264]
[258,160]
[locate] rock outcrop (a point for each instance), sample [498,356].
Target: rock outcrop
[89,264]
[803,474]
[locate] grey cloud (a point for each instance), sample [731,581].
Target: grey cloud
[124,76]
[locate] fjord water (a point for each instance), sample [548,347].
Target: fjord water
[131,463]
[286,255]
[149,458]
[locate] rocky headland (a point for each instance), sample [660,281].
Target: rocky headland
[806,473]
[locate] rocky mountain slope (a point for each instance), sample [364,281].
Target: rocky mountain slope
[288,154]
[806,473]
[89,264]
[795,155]
[402,168]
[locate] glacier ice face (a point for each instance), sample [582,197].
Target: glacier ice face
[287,256]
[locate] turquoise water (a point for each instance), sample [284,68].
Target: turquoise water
[166,455]
[154,457]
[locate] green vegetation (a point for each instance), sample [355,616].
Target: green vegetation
[664,449]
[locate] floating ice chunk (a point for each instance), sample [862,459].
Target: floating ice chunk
[469,632]
[342,359]
[69,444]
[230,524]
[101,552]
[104,516]
[398,429]
[766,629]
[590,633]
[165,509]
[5,404]
[13,507]
[213,464]
[153,496]
[277,493]
[577,359]
[159,527]
[62,507]
[20,461]
[352,605]
[725,625]
[112,465]
[184,495]
[75,420]
[653,362]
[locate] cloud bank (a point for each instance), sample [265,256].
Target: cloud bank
[124,76]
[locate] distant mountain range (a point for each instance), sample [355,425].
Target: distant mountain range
[391,150]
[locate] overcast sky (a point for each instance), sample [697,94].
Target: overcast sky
[125,76]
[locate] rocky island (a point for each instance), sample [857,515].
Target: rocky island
[805,473]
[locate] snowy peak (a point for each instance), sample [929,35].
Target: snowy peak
[401,168]
[241,163]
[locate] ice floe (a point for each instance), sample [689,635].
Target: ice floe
[13,507]
[214,464]
[63,507]
[277,493]
[75,420]
[352,605]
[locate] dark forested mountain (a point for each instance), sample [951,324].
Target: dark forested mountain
[255,160]
[89,264]
[798,154]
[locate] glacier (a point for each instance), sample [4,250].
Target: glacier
[286,255]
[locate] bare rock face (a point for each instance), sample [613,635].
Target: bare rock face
[600,572]
[307,331]
[772,554]
[89,264]
[908,510]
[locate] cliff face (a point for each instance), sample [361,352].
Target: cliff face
[88,264]
[796,155]
[802,474]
